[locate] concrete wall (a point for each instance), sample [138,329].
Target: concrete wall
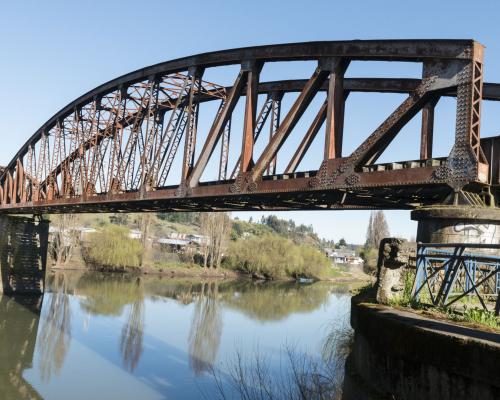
[400,355]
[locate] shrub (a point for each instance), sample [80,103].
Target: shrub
[112,247]
[370,257]
[275,257]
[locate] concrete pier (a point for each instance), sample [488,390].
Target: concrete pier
[457,224]
[23,255]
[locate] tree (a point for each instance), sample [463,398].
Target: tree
[144,223]
[112,247]
[64,238]
[180,217]
[342,243]
[119,219]
[215,227]
[377,229]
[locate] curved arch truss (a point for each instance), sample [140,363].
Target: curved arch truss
[149,140]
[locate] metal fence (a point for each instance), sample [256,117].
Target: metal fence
[447,273]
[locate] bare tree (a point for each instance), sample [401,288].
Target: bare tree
[215,227]
[377,229]
[144,225]
[64,238]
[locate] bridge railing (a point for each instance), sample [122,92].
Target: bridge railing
[449,272]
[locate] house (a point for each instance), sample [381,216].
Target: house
[135,234]
[69,234]
[173,245]
[344,256]
[198,239]
[341,256]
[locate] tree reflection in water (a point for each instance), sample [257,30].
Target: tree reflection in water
[132,332]
[115,295]
[98,294]
[206,329]
[274,301]
[55,332]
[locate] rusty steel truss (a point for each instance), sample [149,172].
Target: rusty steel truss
[115,148]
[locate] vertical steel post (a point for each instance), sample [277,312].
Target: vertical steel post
[253,70]
[192,122]
[427,131]
[335,107]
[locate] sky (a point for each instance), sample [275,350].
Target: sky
[54,51]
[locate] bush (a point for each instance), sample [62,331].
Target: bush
[275,257]
[112,247]
[370,257]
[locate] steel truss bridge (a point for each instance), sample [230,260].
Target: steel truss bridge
[115,148]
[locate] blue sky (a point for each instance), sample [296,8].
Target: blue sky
[54,51]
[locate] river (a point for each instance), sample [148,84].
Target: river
[98,336]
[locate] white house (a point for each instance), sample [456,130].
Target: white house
[135,234]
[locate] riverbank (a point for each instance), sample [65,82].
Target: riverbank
[335,275]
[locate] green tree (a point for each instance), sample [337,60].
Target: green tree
[274,256]
[112,247]
[342,243]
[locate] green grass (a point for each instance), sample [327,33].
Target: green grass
[335,273]
[475,316]
[162,265]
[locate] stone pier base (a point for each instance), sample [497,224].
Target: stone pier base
[23,255]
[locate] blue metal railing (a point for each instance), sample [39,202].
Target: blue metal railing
[447,271]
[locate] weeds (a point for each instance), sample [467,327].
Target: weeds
[299,376]
[475,316]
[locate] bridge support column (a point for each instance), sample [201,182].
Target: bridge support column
[457,224]
[23,255]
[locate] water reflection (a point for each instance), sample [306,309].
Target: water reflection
[206,328]
[116,295]
[107,294]
[19,317]
[132,331]
[55,332]
[274,301]
[165,332]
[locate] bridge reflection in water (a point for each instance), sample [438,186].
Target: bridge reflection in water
[152,337]
[19,319]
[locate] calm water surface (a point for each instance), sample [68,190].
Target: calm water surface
[95,336]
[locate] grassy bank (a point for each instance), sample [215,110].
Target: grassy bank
[272,249]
